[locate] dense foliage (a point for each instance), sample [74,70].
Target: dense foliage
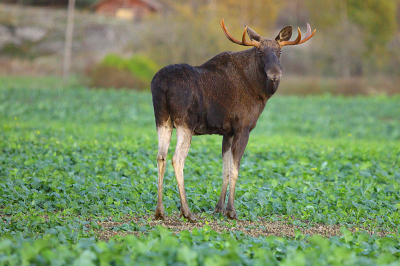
[114,71]
[70,157]
[366,30]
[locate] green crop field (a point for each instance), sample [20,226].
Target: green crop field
[319,182]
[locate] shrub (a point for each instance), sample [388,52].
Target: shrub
[135,72]
[338,86]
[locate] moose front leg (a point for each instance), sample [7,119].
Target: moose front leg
[238,146]
[226,169]
[184,138]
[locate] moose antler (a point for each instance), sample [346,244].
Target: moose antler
[298,39]
[244,42]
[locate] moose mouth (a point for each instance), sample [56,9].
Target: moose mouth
[273,80]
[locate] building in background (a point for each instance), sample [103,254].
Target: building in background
[127,9]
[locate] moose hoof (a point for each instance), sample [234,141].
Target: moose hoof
[159,215]
[219,209]
[231,215]
[188,215]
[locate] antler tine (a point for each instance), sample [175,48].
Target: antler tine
[284,43]
[249,43]
[298,39]
[244,42]
[230,37]
[309,35]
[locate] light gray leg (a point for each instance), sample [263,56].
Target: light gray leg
[238,146]
[184,138]
[164,138]
[226,169]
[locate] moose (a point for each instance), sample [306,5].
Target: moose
[223,96]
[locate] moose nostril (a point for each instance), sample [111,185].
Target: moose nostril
[274,76]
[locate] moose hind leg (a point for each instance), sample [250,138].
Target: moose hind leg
[164,138]
[226,169]
[238,146]
[184,138]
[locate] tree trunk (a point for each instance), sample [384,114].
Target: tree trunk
[68,39]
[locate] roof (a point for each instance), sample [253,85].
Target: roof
[150,3]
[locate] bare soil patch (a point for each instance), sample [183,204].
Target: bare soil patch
[250,228]
[264,228]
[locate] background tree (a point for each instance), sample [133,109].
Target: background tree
[190,30]
[374,21]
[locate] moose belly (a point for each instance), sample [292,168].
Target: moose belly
[202,130]
[207,129]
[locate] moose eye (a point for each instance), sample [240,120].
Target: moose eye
[280,52]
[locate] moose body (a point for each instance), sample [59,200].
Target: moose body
[210,99]
[224,96]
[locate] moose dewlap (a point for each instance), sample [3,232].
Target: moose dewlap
[224,96]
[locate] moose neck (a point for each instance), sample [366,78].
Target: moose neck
[259,85]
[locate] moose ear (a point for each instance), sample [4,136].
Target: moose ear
[253,35]
[284,34]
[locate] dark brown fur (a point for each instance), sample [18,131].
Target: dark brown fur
[224,96]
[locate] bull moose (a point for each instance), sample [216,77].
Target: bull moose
[224,96]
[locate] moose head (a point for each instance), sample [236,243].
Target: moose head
[268,51]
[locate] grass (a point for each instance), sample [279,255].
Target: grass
[74,160]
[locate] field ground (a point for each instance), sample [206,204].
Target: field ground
[319,182]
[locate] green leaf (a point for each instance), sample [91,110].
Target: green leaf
[186,255]
[348,236]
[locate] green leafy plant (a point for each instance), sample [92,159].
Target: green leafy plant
[76,164]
